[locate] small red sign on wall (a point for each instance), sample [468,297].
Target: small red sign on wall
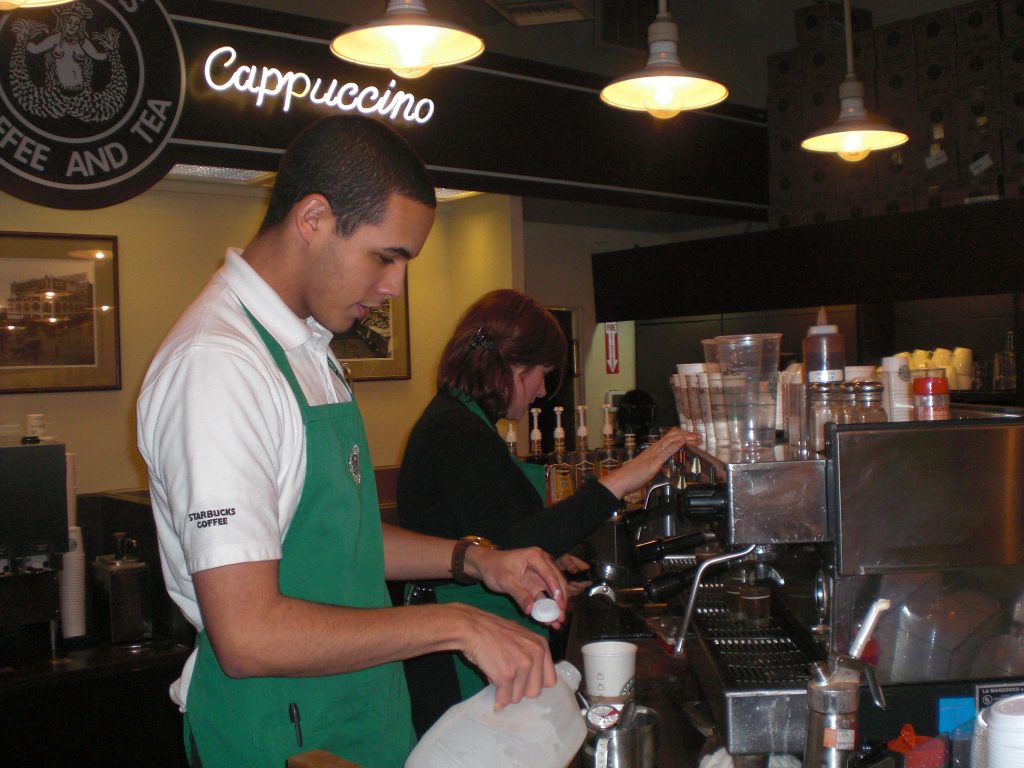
[611,347]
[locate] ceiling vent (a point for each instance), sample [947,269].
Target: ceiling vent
[523,13]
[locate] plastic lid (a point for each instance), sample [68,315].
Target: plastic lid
[545,610]
[931,385]
[816,330]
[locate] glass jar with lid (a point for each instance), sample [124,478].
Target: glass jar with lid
[867,407]
[821,409]
[931,394]
[846,401]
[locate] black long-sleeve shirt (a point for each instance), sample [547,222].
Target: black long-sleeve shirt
[457,479]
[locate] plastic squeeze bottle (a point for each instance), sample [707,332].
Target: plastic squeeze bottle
[545,732]
[824,352]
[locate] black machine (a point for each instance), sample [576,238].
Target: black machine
[33,532]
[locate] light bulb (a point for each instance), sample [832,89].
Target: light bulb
[853,149]
[414,50]
[663,101]
[854,157]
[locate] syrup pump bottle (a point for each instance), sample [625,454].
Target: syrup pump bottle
[608,458]
[634,498]
[833,697]
[510,441]
[536,451]
[559,471]
[582,459]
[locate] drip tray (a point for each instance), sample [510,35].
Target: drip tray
[755,679]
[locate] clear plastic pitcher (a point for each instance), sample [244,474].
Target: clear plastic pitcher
[543,732]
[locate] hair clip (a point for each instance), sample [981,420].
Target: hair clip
[481,340]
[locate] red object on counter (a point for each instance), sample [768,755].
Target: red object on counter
[931,385]
[931,398]
[919,751]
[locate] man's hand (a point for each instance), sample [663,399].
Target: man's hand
[516,660]
[525,575]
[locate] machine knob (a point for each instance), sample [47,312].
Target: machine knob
[705,500]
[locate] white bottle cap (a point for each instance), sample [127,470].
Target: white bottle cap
[816,330]
[545,610]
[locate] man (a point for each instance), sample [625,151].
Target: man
[263,493]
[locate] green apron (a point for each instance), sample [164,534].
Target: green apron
[470,679]
[332,553]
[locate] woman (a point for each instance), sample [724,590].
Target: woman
[457,478]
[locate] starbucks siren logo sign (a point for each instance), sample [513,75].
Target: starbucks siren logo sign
[84,115]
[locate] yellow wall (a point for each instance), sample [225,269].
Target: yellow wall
[466,255]
[172,238]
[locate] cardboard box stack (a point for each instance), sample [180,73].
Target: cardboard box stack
[952,79]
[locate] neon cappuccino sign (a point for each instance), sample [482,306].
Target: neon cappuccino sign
[223,74]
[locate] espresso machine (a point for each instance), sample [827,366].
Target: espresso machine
[33,532]
[927,517]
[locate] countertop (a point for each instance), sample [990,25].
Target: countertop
[76,666]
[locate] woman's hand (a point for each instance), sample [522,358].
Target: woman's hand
[637,472]
[571,565]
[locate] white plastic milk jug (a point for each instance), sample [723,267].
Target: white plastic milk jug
[543,732]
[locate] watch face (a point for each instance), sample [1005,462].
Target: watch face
[603,716]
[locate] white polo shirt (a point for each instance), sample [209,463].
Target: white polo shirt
[222,435]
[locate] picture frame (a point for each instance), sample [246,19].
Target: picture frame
[376,348]
[59,313]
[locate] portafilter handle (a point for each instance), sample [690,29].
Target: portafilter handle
[692,602]
[655,549]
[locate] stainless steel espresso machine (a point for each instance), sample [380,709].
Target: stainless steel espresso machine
[926,515]
[33,532]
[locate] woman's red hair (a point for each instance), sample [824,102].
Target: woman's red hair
[503,328]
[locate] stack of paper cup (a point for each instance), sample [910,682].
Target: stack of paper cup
[72,586]
[897,397]
[1006,733]
[963,367]
[688,380]
[72,489]
[979,741]
[704,394]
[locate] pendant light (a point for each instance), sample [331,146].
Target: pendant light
[663,87]
[407,41]
[13,5]
[855,134]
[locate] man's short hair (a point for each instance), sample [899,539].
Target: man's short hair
[357,163]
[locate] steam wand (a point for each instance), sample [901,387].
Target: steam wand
[692,603]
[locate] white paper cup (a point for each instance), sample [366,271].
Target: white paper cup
[609,669]
[861,372]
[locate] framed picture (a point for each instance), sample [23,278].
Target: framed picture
[377,347]
[59,319]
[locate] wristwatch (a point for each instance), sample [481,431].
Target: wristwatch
[458,569]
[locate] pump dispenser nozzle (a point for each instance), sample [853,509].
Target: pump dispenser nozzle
[535,432]
[510,439]
[822,317]
[607,429]
[559,430]
[581,423]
